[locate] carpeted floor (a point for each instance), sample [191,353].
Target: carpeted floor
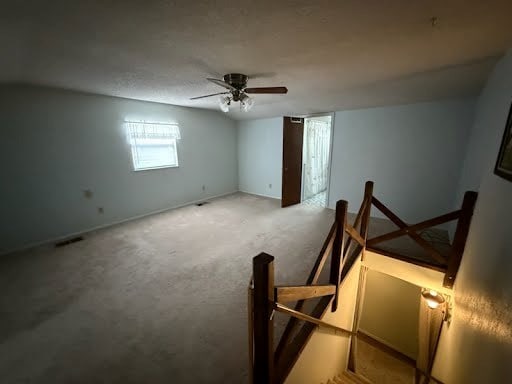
[156,300]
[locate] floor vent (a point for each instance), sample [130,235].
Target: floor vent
[202,203]
[68,241]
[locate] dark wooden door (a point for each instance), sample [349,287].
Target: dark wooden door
[293,132]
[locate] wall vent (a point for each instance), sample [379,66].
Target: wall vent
[68,241]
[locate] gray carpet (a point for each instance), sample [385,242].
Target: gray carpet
[156,300]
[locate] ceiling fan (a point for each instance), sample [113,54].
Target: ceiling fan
[236,85]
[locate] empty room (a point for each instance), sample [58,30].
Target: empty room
[255,192]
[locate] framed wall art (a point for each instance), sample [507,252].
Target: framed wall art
[503,166]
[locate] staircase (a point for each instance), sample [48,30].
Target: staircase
[349,378]
[346,246]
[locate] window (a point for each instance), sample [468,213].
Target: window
[153,145]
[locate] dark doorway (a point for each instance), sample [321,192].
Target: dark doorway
[293,133]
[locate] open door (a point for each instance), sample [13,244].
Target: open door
[316,158]
[293,133]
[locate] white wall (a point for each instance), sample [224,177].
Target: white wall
[477,347]
[260,156]
[56,144]
[391,310]
[327,352]
[413,153]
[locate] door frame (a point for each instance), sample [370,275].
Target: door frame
[297,139]
[333,116]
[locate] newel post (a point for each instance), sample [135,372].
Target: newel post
[365,222]
[337,249]
[461,235]
[263,272]
[367,201]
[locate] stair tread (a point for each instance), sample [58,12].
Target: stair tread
[356,378]
[348,377]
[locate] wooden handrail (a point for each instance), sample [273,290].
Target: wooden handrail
[312,279]
[322,256]
[450,264]
[365,221]
[294,348]
[385,210]
[285,294]
[357,221]
[311,319]
[402,225]
[408,259]
[416,227]
[360,212]
[461,235]
[354,234]
[349,262]
[337,249]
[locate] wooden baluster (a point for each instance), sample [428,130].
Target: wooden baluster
[365,223]
[250,328]
[337,249]
[312,279]
[461,235]
[263,272]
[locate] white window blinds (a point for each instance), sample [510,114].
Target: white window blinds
[153,144]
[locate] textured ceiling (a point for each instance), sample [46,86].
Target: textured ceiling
[331,55]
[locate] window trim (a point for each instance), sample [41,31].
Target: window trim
[135,169]
[133,146]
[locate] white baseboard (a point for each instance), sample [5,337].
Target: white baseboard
[260,194]
[110,224]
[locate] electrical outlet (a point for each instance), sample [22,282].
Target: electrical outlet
[270,186]
[204,188]
[87,193]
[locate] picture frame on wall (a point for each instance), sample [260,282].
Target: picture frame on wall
[503,166]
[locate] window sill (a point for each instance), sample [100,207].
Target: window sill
[153,168]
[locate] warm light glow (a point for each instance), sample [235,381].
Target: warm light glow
[432,304]
[432,298]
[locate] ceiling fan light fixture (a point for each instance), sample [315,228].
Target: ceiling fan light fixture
[224,102]
[237,90]
[246,103]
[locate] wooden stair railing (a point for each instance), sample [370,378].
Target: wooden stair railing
[344,244]
[449,264]
[311,319]
[461,235]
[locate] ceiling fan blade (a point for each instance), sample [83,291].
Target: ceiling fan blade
[222,84]
[262,75]
[213,94]
[266,90]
